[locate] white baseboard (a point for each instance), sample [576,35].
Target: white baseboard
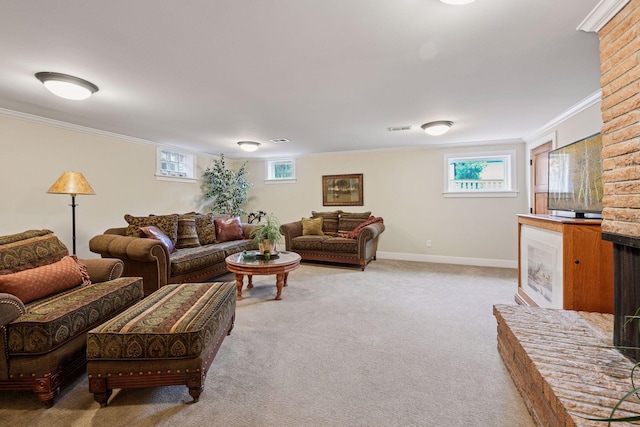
[439,259]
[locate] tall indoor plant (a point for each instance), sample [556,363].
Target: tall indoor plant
[225,190]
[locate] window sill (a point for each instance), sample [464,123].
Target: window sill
[281,181]
[494,194]
[176,179]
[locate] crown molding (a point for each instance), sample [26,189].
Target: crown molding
[589,101]
[601,14]
[87,130]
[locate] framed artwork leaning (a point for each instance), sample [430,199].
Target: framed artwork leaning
[342,190]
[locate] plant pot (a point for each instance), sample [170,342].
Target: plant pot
[265,245]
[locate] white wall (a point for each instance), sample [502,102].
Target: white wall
[120,172]
[405,188]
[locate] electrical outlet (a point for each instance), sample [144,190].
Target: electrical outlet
[428,243]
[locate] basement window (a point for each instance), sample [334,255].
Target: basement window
[280,171]
[175,165]
[491,174]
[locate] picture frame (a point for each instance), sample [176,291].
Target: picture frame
[342,190]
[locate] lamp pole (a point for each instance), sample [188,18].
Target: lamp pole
[73,221]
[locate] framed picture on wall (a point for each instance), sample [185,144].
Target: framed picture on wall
[342,190]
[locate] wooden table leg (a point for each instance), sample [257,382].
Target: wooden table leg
[286,276]
[250,281]
[279,284]
[239,280]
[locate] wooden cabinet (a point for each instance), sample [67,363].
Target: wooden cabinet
[564,263]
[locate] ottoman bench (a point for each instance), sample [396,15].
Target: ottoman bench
[168,338]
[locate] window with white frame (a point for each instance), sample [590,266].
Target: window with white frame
[488,174]
[175,164]
[281,170]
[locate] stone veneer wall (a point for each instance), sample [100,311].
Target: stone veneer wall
[620,83]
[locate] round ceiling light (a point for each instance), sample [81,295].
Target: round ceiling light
[65,86]
[249,145]
[437,128]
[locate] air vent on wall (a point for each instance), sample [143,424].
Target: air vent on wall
[399,128]
[279,140]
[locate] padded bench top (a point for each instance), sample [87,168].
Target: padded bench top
[176,321]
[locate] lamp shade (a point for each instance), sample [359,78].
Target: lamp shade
[66,86]
[73,183]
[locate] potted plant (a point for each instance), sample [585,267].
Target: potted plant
[266,234]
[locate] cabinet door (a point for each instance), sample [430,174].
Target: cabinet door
[588,271]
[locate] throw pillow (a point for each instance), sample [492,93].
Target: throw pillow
[35,283]
[167,223]
[187,234]
[206,229]
[228,229]
[153,232]
[312,226]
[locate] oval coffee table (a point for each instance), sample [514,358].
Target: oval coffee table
[280,266]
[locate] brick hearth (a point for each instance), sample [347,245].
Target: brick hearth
[562,364]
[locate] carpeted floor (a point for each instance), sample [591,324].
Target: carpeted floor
[400,344]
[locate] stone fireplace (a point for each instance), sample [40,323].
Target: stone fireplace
[620,84]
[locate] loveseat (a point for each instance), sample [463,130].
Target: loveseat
[335,236]
[176,248]
[48,302]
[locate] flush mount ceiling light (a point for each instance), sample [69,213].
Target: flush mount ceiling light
[65,86]
[457,2]
[249,145]
[437,128]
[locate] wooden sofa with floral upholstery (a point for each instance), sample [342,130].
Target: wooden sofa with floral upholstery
[176,248]
[335,236]
[48,302]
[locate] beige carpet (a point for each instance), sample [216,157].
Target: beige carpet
[401,344]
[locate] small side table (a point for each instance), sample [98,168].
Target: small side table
[280,266]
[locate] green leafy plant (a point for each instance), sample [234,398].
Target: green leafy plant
[225,189]
[268,230]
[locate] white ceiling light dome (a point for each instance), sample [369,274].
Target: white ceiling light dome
[66,86]
[437,128]
[249,145]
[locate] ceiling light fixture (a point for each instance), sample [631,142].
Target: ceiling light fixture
[249,145]
[437,128]
[65,86]
[457,2]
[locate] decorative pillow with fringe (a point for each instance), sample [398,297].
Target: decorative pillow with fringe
[35,283]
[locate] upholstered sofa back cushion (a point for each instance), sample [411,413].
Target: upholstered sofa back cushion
[329,221]
[349,220]
[30,249]
[167,223]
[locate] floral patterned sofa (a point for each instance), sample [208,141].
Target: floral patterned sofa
[48,302]
[335,236]
[176,248]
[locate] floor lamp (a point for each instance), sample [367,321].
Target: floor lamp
[72,183]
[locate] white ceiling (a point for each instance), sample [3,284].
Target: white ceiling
[330,75]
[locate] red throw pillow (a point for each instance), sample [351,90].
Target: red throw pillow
[228,229]
[153,232]
[35,283]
